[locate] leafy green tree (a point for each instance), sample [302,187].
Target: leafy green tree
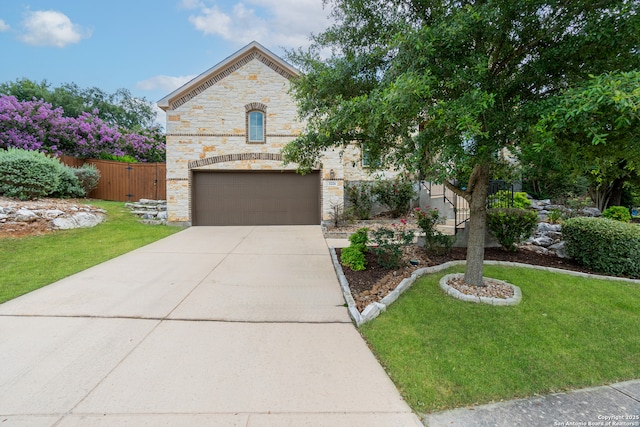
[546,174]
[27,90]
[595,126]
[119,109]
[443,87]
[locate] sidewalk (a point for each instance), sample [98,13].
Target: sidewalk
[613,405]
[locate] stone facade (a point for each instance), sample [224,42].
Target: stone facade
[207,128]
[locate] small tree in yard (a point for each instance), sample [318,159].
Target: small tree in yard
[441,88]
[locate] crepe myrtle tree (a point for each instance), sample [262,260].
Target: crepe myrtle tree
[119,109]
[441,88]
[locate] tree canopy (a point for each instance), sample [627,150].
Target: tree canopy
[596,127]
[441,88]
[119,108]
[37,126]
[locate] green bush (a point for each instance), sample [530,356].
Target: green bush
[69,185]
[619,213]
[361,199]
[360,238]
[511,226]
[88,175]
[396,195]
[555,216]
[502,199]
[604,245]
[389,244]
[27,174]
[520,200]
[124,159]
[435,241]
[353,257]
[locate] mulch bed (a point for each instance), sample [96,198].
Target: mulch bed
[376,282]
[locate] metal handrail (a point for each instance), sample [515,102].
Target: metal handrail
[460,206]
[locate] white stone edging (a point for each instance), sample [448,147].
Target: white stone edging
[374,309]
[451,291]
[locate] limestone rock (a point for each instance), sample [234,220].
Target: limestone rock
[25,215]
[53,213]
[544,241]
[85,219]
[559,249]
[77,220]
[593,212]
[149,211]
[64,223]
[545,227]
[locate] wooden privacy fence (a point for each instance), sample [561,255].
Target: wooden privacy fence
[126,182]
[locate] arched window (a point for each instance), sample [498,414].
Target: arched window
[256,126]
[256,119]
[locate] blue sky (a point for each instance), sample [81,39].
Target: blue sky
[150,47]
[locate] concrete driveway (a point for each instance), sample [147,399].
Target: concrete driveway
[212,326]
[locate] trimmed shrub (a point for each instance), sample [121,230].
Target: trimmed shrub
[396,195]
[89,176]
[511,226]
[360,198]
[619,213]
[69,185]
[28,174]
[604,245]
[353,257]
[360,238]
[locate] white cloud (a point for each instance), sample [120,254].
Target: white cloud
[212,21]
[164,83]
[51,28]
[4,26]
[285,23]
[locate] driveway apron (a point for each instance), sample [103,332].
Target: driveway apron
[212,326]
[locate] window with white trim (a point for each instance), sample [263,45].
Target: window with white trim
[256,123]
[256,126]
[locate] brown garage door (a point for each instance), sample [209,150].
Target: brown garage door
[255,198]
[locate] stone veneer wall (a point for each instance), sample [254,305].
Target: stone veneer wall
[212,125]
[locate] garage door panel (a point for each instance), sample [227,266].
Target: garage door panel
[255,198]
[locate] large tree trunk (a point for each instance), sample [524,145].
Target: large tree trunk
[616,193]
[600,195]
[477,226]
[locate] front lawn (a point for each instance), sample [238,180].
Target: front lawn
[567,333]
[33,262]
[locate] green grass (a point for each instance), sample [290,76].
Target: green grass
[567,333]
[30,263]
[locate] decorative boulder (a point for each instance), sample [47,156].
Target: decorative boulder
[25,215]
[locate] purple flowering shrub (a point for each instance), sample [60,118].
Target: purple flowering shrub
[37,126]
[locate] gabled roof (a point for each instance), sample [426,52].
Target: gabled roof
[253,50]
